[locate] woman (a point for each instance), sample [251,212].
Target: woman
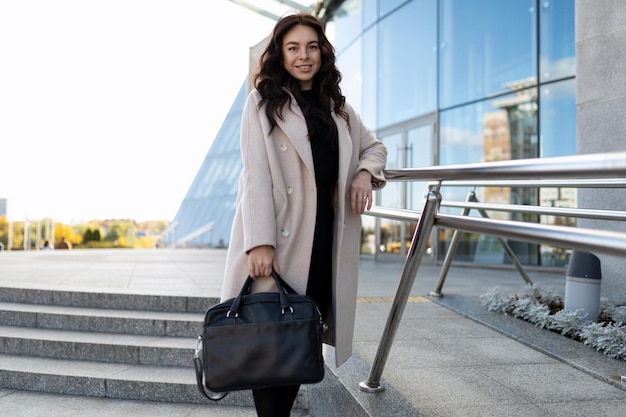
[309,167]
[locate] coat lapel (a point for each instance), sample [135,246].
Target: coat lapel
[345,151]
[293,125]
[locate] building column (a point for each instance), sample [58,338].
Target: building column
[600,120]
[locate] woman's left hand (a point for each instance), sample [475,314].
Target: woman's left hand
[361,192]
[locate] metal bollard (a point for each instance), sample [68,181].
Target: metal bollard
[582,284]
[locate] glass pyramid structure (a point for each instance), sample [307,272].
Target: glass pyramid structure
[206,213]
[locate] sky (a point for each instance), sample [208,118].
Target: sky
[109,107]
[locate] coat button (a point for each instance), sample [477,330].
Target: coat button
[283,147]
[289,190]
[284,233]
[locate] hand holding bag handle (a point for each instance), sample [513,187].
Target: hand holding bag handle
[247,287]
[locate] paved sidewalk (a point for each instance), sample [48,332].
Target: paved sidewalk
[450,356]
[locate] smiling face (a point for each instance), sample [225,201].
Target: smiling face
[301,54]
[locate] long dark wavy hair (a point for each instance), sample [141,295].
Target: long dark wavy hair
[272,79]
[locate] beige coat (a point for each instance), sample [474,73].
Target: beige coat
[276,206]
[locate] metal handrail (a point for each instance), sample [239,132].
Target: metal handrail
[609,242]
[536,183]
[551,211]
[603,165]
[577,169]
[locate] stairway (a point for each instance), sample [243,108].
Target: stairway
[121,346]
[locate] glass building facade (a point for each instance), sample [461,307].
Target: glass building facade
[440,82]
[206,213]
[461,81]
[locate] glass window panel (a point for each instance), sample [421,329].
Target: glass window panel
[349,63]
[486,47]
[499,129]
[558,119]
[558,138]
[419,154]
[408,67]
[368,234]
[370,12]
[558,46]
[386,6]
[392,232]
[502,128]
[347,23]
[557,197]
[370,77]
[391,195]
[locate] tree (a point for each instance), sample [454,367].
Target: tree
[68,232]
[4,231]
[88,235]
[113,234]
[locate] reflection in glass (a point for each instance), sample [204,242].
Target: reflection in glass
[493,130]
[484,45]
[499,129]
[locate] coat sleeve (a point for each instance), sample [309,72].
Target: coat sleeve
[257,205]
[372,152]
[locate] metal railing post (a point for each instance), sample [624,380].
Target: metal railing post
[509,252]
[454,242]
[419,244]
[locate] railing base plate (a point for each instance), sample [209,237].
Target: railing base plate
[366,387]
[436,294]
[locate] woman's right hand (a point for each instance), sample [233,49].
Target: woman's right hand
[261,260]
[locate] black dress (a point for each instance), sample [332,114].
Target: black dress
[277,401]
[323,138]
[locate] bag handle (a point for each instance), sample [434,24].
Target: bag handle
[235,307]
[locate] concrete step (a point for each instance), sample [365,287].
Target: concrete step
[121,301]
[34,404]
[114,346]
[155,323]
[115,381]
[110,380]
[100,347]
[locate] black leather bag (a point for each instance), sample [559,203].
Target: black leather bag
[259,340]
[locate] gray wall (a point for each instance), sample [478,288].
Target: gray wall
[601,115]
